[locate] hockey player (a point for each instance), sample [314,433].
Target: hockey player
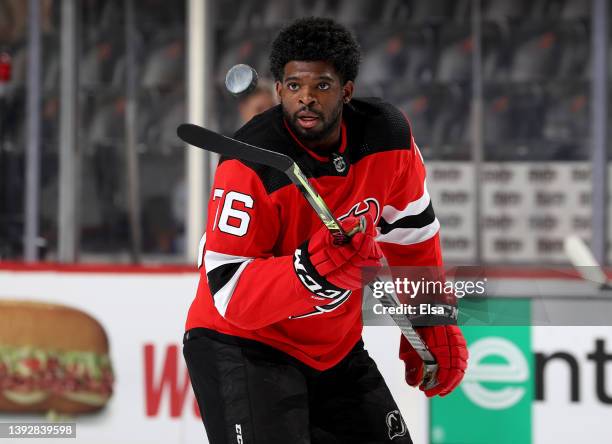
[270,360]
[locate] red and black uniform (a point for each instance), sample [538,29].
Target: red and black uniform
[248,289]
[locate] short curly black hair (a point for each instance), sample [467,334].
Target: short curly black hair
[314,39]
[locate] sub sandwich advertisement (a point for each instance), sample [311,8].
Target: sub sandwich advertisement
[52,359]
[102,350]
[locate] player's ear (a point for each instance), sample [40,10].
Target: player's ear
[278,86]
[347,91]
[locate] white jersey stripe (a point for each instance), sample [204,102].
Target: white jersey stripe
[392,214]
[201,248]
[212,259]
[224,295]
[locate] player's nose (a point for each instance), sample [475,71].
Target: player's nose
[306,97]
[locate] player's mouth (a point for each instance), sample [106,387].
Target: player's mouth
[307,120]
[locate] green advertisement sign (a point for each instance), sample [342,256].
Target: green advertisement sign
[493,403]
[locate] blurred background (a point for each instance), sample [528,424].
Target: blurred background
[500,94]
[102,207]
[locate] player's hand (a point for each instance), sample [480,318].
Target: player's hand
[447,344]
[342,265]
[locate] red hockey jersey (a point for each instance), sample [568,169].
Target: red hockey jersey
[257,218]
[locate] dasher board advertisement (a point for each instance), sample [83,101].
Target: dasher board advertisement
[530,384]
[142,314]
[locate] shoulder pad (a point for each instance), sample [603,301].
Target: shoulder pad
[385,126]
[265,130]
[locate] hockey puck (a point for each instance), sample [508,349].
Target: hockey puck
[240,80]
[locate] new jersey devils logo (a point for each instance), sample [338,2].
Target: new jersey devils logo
[396,425]
[368,205]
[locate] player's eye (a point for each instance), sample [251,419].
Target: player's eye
[323,86]
[292,86]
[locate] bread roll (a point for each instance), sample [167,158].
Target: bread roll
[52,357]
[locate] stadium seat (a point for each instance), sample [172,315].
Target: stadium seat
[247,48]
[351,12]
[431,11]
[576,10]
[503,10]
[545,10]
[515,121]
[315,8]
[455,56]
[439,117]
[496,52]
[236,16]
[158,116]
[241,16]
[169,143]
[574,58]
[419,106]
[405,56]
[397,11]
[567,122]
[276,13]
[107,127]
[165,66]
[99,62]
[450,136]
[528,109]
[535,54]
[497,117]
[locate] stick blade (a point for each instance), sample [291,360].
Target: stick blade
[211,141]
[583,260]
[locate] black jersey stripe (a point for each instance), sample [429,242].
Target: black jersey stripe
[221,275]
[426,217]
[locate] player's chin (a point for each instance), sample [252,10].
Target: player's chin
[308,133]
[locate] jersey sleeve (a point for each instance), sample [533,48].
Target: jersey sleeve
[251,287]
[408,227]
[409,230]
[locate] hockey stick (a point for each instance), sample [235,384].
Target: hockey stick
[585,263]
[211,141]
